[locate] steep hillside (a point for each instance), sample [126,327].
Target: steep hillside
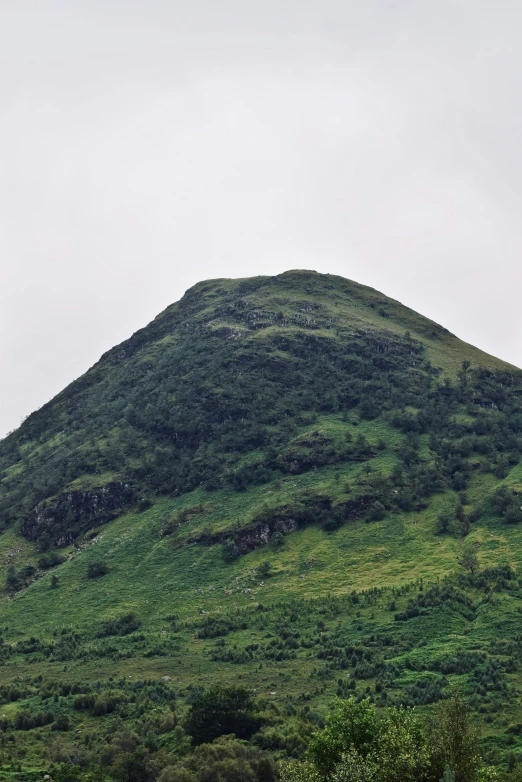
[274,482]
[223,374]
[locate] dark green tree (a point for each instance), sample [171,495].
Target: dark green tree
[443,523]
[221,711]
[469,559]
[454,741]
[353,727]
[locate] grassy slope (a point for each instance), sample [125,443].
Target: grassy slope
[157,576]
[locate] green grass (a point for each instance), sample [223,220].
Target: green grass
[153,575]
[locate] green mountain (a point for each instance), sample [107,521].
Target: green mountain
[292,483]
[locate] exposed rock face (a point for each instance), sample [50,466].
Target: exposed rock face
[248,540]
[262,531]
[73,512]
[254,537]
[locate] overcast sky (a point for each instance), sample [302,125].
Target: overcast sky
[149,144]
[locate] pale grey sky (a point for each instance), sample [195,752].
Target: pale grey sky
[149,144]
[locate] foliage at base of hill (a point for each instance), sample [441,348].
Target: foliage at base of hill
[359,746]
[269,675]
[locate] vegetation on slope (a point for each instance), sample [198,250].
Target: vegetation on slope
[211,392]
[293,485]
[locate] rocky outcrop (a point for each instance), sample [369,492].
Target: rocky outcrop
[252,538]
[62,519]
[286,519]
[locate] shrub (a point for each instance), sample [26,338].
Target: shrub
[97,569]
[123,626]
[144,504]
[17,579]
[61,723]
[176,774]
[443,523]
[221,711]
[377,512]
[229,551]
[265,570]
[51,559]
[278,540]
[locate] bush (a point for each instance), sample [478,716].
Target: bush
[144,504]
[61,723]
[176,774]
[123,626]
[52,559]
[264,570]
[17,579]
[377,512]
[229,551]
[221,711]
[278,540]
[444,522]
[233,761]
[97,569]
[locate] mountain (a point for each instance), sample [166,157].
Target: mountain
[212,391]
[295,482]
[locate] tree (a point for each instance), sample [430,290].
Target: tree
[368,409]
[463,375]
[465,525]
[353,727]
[131,766]
[513,516]
[401,751]
[354,768]
[511,761]
[357,746]
[443,523]
[220,711]
[301,772]
[469,559]
[233,761]
[455,741]
[392,750]
[66,773]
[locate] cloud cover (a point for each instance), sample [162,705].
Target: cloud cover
[148,145]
